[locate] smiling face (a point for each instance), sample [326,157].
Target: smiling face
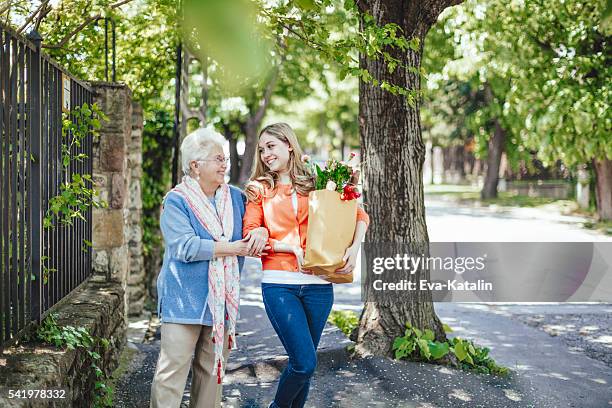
[211,169]
[274,153]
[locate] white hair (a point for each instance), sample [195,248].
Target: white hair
[198,144]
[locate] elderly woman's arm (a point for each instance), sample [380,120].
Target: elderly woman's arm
[182,241]
[253,229]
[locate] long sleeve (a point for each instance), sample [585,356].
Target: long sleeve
[253,217]
[179,236]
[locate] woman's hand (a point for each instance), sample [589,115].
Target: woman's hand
[257,239]
[234,248]
[350,257]
[240,248]
[299,255]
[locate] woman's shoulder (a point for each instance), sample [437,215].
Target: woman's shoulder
[174,200]
[237,194]
[235,191]
[257,190]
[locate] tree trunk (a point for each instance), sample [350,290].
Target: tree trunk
[393,147]
[459,163]
[233,151]
[250,146]
[446,164]
[254,122]
[603,191]
[431,164]
[470,159]
[494,153]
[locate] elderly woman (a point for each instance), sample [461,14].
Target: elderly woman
[198,286]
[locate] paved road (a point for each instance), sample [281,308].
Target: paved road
[559,353]
[548,370]
[448,221]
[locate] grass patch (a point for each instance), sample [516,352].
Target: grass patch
[506,199]
[126,357]
[468,194]
[420,345]
[345,320]
[70,337]
[604,227]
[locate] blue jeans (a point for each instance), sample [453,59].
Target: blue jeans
[298,314]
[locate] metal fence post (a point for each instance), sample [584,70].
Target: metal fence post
[34,116]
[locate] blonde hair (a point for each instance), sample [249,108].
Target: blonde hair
[261,176]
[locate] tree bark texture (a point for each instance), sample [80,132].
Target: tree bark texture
[393,154]
[494,153]
[603,188]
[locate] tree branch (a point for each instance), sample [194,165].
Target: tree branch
[74,32]
[80,28]
[261,110]
[7,10]
[42,16]
[29,19]
[5,7]
[362,5]
[118,4]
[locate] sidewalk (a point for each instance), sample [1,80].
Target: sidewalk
[547,370]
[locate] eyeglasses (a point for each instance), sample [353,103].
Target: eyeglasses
[220,160]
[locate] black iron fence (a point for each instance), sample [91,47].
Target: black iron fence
[39,266]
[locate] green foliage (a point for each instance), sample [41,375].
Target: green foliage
[146,40]
[561,92]
[76,196]
[468,85]
[421,344]
[331,118]
[335,171]
[157,138]
[345,320]
[71,337]
[475,358]
[46,271]
[229,33]
[545,71]
[313,23]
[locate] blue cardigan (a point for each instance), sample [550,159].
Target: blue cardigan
[182,284]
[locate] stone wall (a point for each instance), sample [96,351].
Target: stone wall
[136,281]
[117,169]
[96,306]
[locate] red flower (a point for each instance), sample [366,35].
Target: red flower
[349,192]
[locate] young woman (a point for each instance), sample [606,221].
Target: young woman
[276,219]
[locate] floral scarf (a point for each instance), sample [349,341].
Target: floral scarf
[223,272]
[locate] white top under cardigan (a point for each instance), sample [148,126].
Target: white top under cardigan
[289,277]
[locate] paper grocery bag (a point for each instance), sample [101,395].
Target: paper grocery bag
[331,225]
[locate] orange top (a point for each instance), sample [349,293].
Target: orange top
[275,213]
